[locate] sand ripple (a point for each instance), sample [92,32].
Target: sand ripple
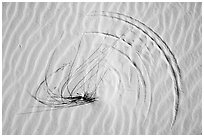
[147,81]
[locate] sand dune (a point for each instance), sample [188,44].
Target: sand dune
[142,61]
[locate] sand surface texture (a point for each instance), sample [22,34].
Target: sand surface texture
[102,68]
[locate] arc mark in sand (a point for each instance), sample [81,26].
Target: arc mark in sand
[169,56]
[59,100]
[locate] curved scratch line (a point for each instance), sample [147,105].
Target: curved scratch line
[166,46]
[177,86]
[144,31]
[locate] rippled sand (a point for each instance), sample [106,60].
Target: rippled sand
[138,98]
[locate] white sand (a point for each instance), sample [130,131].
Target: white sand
[31,32]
